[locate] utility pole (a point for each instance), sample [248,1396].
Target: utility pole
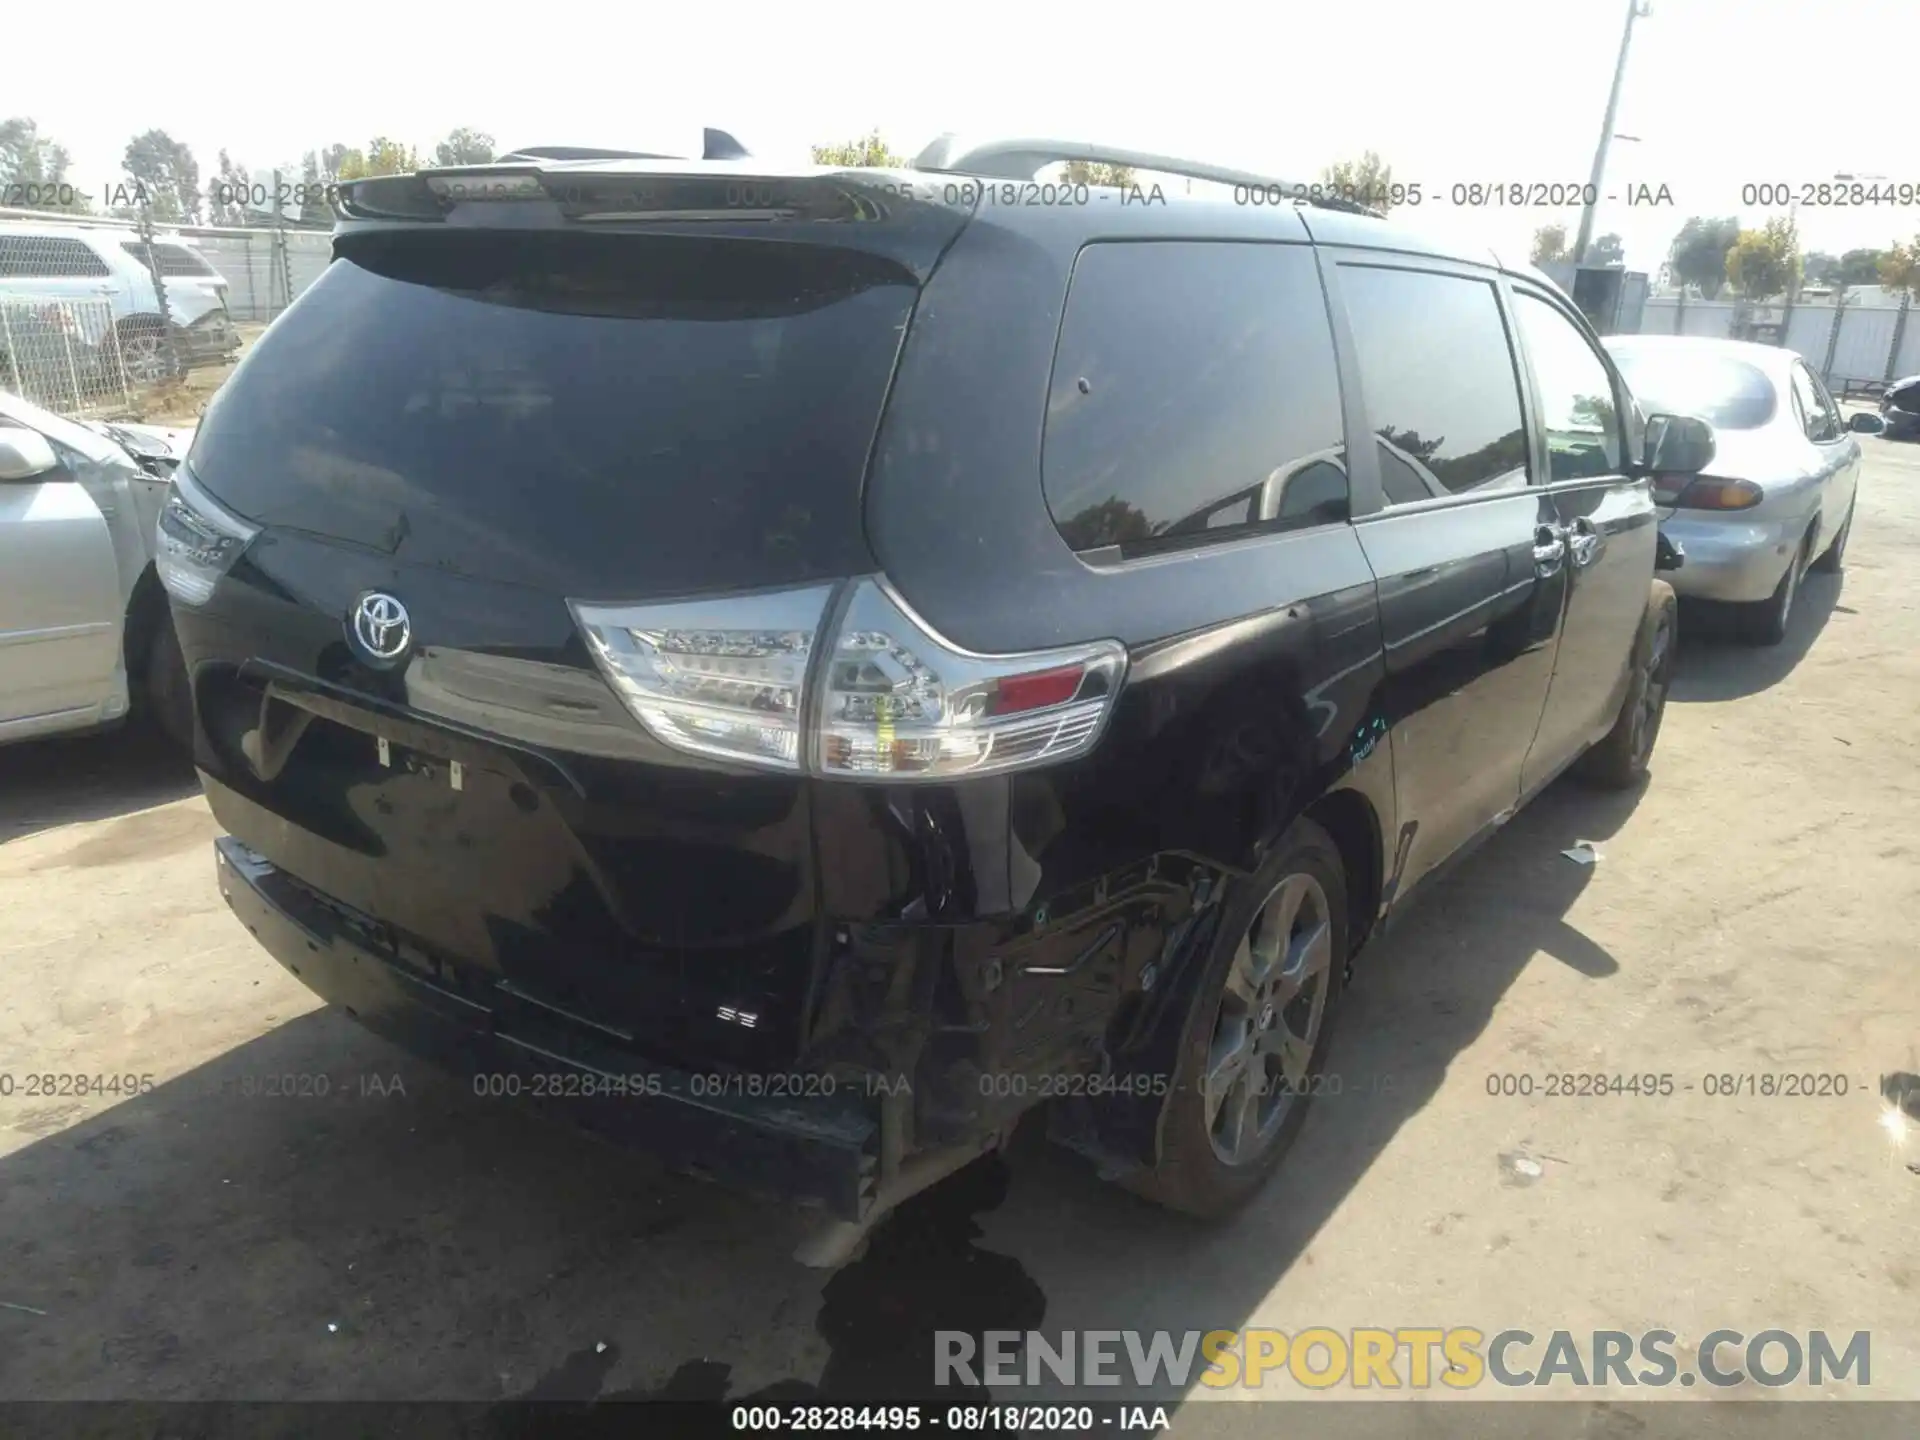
[1636,9]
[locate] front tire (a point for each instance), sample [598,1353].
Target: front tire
[145,356]
[1254,1042]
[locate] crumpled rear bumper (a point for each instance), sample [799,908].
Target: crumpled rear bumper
[817,1148]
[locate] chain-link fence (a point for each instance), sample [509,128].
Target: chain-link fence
[120,318]
[66,356]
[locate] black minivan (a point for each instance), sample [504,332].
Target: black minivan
[803,667]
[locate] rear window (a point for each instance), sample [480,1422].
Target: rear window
[600,415]
[169,259]
[1728,394]
[1194,397]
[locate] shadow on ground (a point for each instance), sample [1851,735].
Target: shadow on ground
[92,777]
[1715,663]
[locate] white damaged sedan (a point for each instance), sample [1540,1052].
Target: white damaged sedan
[1778,497]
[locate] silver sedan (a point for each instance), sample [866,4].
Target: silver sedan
[1777,498]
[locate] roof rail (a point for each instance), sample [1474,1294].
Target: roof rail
[714,145]
[1020,159]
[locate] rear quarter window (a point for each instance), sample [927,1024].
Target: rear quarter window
[1194,397]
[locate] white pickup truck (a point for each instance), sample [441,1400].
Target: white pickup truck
[85,633]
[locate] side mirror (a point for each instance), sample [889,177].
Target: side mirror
[1679,445]
[1865,422]
[25,454]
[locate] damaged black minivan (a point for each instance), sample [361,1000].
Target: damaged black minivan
[803,667]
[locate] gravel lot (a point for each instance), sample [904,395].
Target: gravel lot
[400,1238]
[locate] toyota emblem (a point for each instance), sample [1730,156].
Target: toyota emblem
[381,627]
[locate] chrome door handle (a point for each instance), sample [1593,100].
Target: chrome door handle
[1586,542]
[1549,548]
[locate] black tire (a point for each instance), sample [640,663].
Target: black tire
[1621,760]
[1192,1176]
[169,702]
[1834,559]
[1767,621]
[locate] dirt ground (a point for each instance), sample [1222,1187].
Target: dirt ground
[400,1238]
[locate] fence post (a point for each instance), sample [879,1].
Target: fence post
[1833,333]
[15,361]
[253,300]
[1899,334]
[279,278]
[1680,312]
[66,341]
[119,363]
[159,287]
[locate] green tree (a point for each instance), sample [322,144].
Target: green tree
[322,167]
[1368,180]
[1900,267]
[1699,253]
[868,152]
[1549,244]
[166,170]
[1861,267]
[1765,262]
[1820,268]
[28,158]
[381,157]
[464,147]
[228,196]
[1091,172]
[1606,250]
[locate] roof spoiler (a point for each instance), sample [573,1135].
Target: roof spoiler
[714,145]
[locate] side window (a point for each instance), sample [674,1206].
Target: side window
[1576,394]
[1438,378]
[1822,422]
[48,257]
[1193,390]
[169,259]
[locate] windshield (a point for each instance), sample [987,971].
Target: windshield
[1728,394]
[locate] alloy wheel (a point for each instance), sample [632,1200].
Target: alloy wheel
[1269,1019]
[144,356]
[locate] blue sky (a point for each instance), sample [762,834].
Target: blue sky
[1722,93]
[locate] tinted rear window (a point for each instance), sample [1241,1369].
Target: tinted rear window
[1728,394]
[1194,397]
[599,415]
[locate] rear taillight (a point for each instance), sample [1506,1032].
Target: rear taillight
[1703,492]
[197,540]
[742,678]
